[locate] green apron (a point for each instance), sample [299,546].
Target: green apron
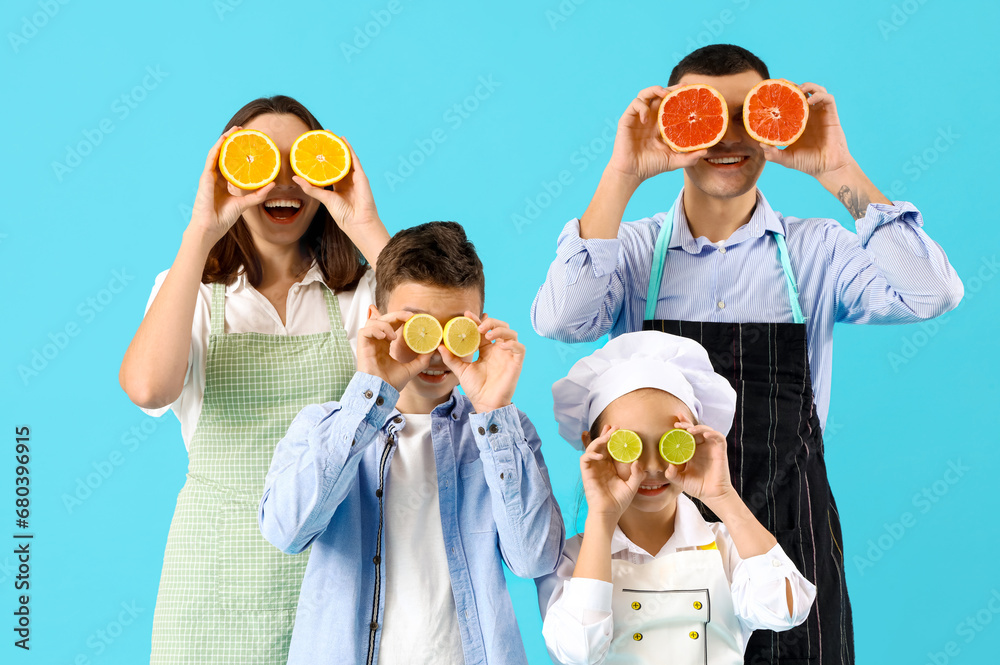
[226,594]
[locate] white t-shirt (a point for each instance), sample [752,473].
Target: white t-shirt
[247,310]
[420,623]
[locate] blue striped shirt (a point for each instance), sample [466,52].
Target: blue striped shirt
[890,271]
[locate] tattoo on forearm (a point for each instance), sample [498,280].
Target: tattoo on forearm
[855,202]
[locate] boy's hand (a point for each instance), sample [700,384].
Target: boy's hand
[608,494]
[374,341]
[490,381]
[706,475]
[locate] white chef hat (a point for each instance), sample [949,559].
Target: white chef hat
[647,359]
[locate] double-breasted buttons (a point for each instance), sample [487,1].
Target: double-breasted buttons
[693,634]
[697,604]
[637,636]
[636,605]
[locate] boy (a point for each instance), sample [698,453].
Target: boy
[410,492]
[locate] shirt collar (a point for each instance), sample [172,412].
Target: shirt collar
[690,532]
[763,219]
[314,274]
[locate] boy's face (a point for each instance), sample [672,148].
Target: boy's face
[434,385]
[649,413]
[728,180]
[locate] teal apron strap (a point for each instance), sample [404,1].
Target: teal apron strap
[656,270]
[218,309]
[793,289]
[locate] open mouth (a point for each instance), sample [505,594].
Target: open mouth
[434,375]
[653,490]
[732,162]
[282,211]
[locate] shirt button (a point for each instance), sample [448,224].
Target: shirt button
[373,625]
[501,476]
[775,563]
[482,431]
[722,250]
[397,419]
[722,305]
[379,401]
[494,429]
[368,394]
[693,634]
[378,493]
[376,559]
[454,416]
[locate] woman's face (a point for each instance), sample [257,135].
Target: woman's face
[285,215]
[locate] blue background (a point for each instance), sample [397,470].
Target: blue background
[909,402]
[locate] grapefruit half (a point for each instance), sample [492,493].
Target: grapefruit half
[693,117]
[775,112]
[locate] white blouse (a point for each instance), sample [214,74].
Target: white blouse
[247,310]
[578,624]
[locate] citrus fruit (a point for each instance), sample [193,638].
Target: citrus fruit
[320,157]
[461,336]
[677,446]
[775,112]
[625,446]
[249,159]
[693,117]
[422,333]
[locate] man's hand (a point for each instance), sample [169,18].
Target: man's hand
[490,381]
[374,342]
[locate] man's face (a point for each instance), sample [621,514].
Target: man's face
[729,180]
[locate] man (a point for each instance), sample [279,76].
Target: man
[761,292]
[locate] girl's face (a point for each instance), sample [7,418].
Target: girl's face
[649,413]
[285,215]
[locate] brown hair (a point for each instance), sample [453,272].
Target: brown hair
[436,253]
[718,60]
[339,260]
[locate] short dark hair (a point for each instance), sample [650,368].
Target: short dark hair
[718,60]
[436,253]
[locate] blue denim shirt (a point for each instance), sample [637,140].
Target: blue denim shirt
[326,488]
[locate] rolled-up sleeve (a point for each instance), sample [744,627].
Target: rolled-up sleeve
[891,271]
[583,290]
[315,464]
[759,588]
[529,524]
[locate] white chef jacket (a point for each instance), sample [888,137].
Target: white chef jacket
[578,624]
[247,310]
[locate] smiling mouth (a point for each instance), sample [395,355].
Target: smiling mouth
[726,162]
[653,490]
[282,211]
[434,375]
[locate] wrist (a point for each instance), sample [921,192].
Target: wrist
[622,182]
[726,504]
[600,525]
[848,173]
[199,241]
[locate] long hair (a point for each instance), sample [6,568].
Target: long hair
[339,260]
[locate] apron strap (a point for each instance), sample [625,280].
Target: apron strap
[218,323]
[660,257]
[332,308]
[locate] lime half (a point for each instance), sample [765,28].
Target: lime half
[677,446]
[625,446]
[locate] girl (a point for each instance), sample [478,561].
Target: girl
[650,580]
[256,318]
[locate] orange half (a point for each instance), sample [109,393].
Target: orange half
[775,112]
[320,157]
[693,117]
[249,159]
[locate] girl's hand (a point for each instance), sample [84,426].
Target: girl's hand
[639,151]
[608,493]
[350,202]
[489,382]
[218,205]
[706,476]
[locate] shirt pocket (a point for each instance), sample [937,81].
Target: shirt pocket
[476,509]
[252,573]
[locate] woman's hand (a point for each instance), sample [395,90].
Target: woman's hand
[706,475]
[608,493]
[218,204]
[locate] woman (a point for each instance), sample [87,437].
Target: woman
[256,318]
